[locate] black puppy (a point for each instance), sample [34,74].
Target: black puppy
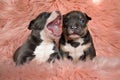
[76,42]
[40,45]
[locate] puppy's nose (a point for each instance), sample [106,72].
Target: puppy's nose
[73,27]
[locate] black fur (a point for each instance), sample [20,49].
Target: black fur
[74,44]
[25,52]
[76,21]
[39,22]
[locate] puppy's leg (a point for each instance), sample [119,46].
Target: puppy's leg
[21,58]
[83,57]
[66,55]
[92,53]
[53,57]
[88,54]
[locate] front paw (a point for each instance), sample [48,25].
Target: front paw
[22,60]
[83,57]
[53,57]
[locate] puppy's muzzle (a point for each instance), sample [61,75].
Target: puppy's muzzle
[54,23]
[74,27]
[74,30]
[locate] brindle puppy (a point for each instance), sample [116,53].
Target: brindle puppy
[76,42]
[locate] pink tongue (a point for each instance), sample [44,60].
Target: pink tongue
[55,29]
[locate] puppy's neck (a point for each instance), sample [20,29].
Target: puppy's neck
[69,39]
[45,37]
[49,39]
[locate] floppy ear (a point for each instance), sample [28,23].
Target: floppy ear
[39,22]
[31,24]
[64,19]
[89,18]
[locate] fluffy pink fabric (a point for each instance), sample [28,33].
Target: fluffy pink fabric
[15,16]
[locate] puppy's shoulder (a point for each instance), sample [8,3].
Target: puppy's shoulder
[87,38]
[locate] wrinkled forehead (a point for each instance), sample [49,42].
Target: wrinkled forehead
[76,15]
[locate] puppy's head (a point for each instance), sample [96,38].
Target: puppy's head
[75,24]
[49,25]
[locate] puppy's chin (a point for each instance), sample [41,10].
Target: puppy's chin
[51,35]
[74,36]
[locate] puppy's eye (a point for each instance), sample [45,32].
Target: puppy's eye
[82,20]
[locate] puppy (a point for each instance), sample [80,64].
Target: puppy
[41,43]
[76,42]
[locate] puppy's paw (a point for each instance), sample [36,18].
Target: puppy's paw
[23,60]
[53,57]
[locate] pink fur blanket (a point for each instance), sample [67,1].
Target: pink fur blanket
[15,16]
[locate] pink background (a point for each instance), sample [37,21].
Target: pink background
[15,16]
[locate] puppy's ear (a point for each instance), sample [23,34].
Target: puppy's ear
[89,18]
[31,25]
[64,19]
[39,22]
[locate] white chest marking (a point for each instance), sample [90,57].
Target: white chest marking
[43,51]
[75,53]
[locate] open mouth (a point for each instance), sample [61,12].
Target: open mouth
[55,26]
